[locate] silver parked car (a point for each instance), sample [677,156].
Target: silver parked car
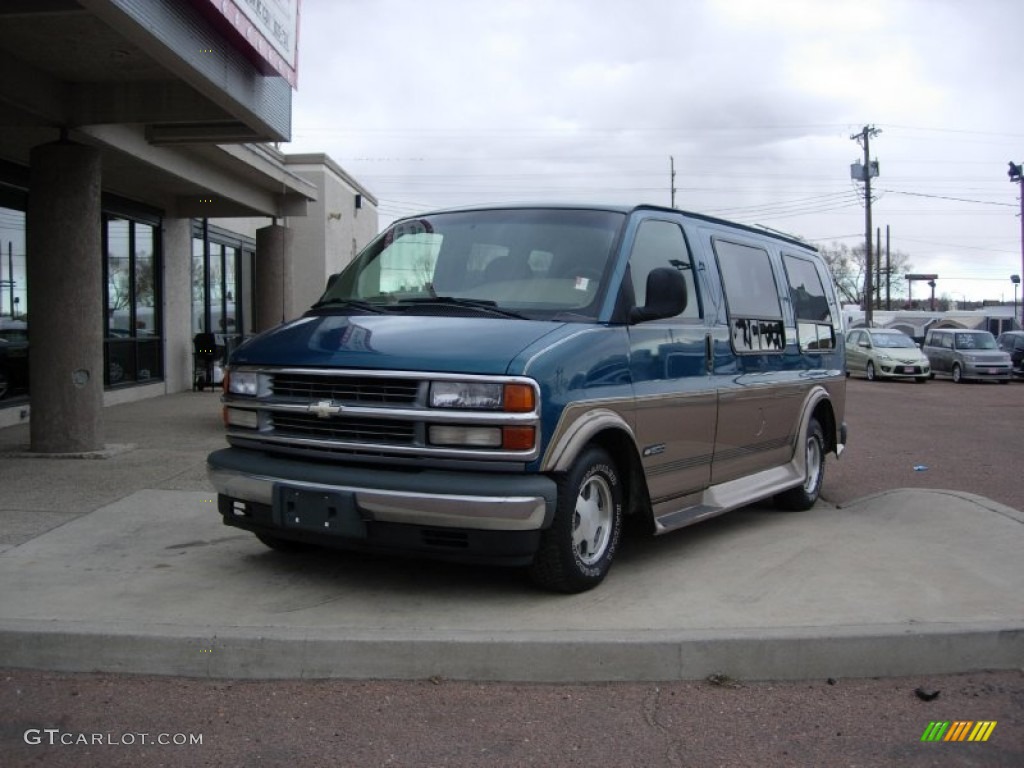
[884,353]
[963,355]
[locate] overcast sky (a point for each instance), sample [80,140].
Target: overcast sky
[435,103]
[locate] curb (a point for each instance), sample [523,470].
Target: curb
[798,653]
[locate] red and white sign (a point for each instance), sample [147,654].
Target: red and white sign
[270,28]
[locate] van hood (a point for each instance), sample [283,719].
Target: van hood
[390,342]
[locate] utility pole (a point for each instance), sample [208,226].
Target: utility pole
[672,179]
[878,267]
[888,272]
[868,170]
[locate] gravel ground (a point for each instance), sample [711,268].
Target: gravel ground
[442,723]
[967,437]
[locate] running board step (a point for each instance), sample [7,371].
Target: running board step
[684,517]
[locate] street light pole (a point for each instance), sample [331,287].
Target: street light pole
[1015,173]
[1015,279]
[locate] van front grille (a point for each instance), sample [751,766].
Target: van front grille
[362,390]
[360,430]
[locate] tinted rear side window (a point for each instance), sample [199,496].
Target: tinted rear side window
[814,328]
[755,315]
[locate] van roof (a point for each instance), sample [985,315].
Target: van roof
[626,209]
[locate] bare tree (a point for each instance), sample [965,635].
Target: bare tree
[848,270]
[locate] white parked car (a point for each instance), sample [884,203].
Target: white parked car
[884,353]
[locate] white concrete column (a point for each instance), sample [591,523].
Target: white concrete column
[273,301]
[65,282]
[177,253]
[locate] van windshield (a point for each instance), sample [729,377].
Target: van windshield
[535,263]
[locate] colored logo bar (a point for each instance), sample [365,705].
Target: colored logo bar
[958,730]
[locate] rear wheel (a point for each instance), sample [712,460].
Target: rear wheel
[805,496]
[576,552]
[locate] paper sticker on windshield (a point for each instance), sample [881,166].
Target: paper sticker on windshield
[582,283]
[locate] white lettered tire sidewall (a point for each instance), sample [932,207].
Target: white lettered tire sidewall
[576,553]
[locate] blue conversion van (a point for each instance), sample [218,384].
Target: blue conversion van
[509,384]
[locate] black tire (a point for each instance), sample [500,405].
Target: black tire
[576,552]
[284,545]
[958,376]
[869,371]
[805,495]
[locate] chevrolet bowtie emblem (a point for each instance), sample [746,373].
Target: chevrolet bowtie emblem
[324,409]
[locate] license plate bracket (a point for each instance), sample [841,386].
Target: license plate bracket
[332,513]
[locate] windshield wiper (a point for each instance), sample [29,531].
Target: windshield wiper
[485,305]
[354,303]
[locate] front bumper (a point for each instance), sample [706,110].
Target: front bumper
[486,517]
[989,372]
[903,370]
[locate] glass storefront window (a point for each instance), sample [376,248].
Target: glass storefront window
[198,286]
[145,281]
[13,307]
[221,284]
[133,346]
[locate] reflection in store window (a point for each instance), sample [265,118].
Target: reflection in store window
[13,307]
[133,323]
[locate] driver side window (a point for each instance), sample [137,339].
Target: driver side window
[661,244]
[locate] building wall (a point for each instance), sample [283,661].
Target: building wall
[331,233]
[324,242]
[334,229]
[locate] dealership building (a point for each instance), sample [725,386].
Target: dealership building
[144,199]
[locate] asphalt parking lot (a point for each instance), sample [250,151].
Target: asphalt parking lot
[938,436]
[963,437]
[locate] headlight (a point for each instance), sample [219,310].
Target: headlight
[482,395]
[243,383]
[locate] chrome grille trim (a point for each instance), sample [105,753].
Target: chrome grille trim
[345,389]
[367,413]
[360,430]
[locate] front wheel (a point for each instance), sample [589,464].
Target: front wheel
[958,375]
[576,552]
[805,496]
[870,372]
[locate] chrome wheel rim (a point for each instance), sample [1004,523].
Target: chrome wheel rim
[592,520]
[814,464]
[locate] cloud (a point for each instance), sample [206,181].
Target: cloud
[457,101]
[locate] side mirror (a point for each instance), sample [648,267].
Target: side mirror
[666,296]
[865,344]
